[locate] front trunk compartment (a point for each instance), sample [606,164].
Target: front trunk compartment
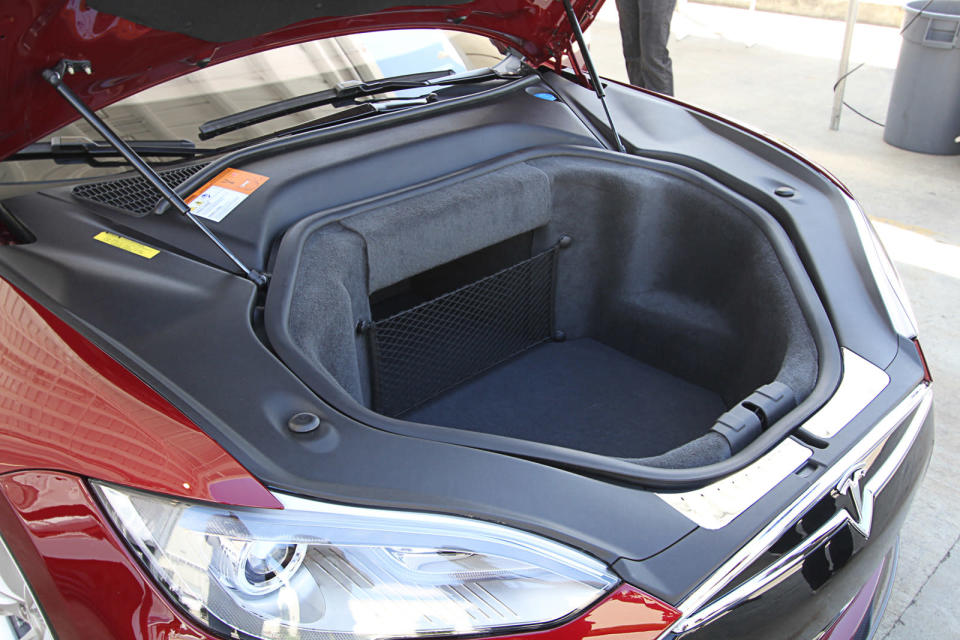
[586,301]
[618,306]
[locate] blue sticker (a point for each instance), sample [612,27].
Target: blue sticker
[543,95]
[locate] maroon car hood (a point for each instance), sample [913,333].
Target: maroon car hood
[135,44]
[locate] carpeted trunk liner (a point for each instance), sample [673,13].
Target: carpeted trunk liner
[579,394]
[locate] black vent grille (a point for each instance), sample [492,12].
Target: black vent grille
[419,353]
[133,195]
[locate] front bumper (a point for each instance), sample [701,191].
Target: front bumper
[89,584]
[808,570]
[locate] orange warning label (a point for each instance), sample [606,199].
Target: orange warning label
[221,195]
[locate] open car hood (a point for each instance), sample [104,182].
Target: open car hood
[135,44]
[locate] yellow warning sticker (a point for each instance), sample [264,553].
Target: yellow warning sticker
[126,244]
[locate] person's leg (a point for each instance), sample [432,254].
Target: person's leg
[654,31]
[629,11]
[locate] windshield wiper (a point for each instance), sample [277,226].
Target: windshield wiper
[76,150]
[346,93]
[359,111]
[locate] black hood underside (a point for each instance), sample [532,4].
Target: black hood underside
[227,20]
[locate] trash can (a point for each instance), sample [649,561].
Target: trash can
[924,111]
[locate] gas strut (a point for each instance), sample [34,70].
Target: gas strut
[592,70]
[55,77]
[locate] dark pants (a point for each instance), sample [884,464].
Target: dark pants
[645,28]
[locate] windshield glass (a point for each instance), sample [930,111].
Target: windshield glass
[173,110]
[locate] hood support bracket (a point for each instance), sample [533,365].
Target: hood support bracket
[55,77]
[591,69]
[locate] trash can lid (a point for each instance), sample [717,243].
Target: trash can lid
[936,9]
[932,23]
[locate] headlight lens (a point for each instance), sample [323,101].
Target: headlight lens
[318,570]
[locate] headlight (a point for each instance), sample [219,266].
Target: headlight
[318,570]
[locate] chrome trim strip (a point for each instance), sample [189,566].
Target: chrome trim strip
[695,608]
[862,381]
[717,504]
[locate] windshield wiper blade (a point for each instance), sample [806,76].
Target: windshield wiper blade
[64,147]
[72,150]
[343,93]
[346,93]
[358,111]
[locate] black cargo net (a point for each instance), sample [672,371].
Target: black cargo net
[419,353]
[134,195]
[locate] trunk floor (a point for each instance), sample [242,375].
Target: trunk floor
[579,394]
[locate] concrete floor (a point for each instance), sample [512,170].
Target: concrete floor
[775,73]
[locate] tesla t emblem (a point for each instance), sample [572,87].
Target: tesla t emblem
[860,510]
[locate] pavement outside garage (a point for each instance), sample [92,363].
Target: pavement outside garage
[775,72]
